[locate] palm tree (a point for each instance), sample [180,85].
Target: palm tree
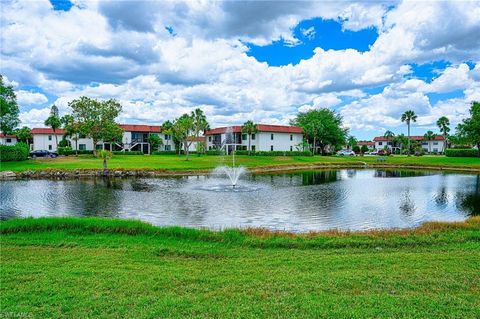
[105,156]
[249,128]
[54,122]
[200,124]
[167,130]
[71,129]
[443,124]
[401,140]
[408,117]
[351,142]
[429,136]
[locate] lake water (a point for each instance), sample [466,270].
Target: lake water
[300,201]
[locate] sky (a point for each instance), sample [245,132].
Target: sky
[246,60]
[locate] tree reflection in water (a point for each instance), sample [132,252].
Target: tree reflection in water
[470,201]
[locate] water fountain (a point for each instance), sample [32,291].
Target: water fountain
[233,172]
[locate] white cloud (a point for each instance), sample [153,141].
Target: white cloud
[28,98]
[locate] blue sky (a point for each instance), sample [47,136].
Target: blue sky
[247,60]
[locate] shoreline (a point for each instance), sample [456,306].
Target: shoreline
[153,173]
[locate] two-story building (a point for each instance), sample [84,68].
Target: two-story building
[268,138]
[436,145]
[44,139]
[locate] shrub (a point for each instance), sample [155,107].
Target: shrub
[127,153]
[64,150]
[63,143]
[466,152]
[214,152]
[275,153]
[17,152]
[165,153]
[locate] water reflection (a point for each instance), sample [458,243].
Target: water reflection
[301,201]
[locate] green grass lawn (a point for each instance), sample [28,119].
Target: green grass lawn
[172,162]
[86,268]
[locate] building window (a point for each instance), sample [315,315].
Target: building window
[271,147]
[168,147]
[209,148]
[435,143]
[253,148]
[424,143]
[435,150]
[244,137]
[9,140]
[380,143]
[49,147]
[291,137]
[209,138]
[82,147]
[49,137]
[271,137]
[291,147]
[253,136]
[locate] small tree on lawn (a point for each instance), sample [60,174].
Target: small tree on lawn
[249,128]
[364,149]
[199,125]
[96,119]
[71,128]
[351,142]
[155,142]
[105,156]
[443,124]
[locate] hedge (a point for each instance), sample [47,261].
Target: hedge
[127,153]
[466,152]
[17,152]
[165,153]
[69,151]
[275,153]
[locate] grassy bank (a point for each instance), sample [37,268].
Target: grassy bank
[176,163]
[80,268]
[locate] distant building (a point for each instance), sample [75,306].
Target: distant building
[369,144]
[437,145]
[6,139]
[268,138]
[44,139]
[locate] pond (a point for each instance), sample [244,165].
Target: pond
[299,201]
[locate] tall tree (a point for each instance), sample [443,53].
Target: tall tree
[249,128]
[8,108]
[200,125]
[96,119]
[408,117]
[469,129]
[167,130]
[443,124]
[72,129]
[323,127]
[401,140]
[54,122]
[24,134]
[429,136]
[182,129]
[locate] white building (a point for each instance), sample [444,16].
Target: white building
[6,139]
[44,139]
[268,138]
[437,145]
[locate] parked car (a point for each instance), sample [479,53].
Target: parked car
[346,153]
[42,153]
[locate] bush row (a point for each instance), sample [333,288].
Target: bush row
[69,151]
[466,152]
[127,153]
[275,153]
[17,152]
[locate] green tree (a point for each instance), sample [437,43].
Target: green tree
[200,125]
[364,149]
[54,122]
[155,142]
[105,156]
[402,141]
[323,127]
[72,129]
[167,130]
[24,134]
[429,136]
[352,142]
[409,117]
[182,129]
[96,119]
[249,128]
[469,129]
[443,124]
[8,108]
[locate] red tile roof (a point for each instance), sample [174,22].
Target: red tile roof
[368,143]
[260,128]
[196,139]
[141,128]
[8,135]
[47,130]
[413,138]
